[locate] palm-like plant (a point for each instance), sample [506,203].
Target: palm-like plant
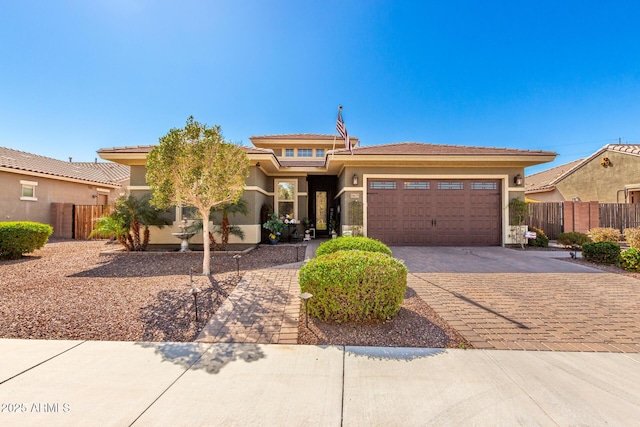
[129,215]
[225,229]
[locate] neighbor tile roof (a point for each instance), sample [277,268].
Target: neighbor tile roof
[27,162]
[546,180]
[543,180]
[419,148]
[114,171]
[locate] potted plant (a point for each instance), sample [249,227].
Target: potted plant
[275,227]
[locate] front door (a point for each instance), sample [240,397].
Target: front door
[322,206]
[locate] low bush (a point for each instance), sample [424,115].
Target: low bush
[354,286]
[349,243]
[605,234]
[632,236]
[601,252]
[22,237]
[630,259]
[568,240]
[541,240]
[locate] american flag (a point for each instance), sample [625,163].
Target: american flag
[342,130]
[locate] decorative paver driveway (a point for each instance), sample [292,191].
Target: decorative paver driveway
[505,299]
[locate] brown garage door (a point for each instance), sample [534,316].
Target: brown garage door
[434,212]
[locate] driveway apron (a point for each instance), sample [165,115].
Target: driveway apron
[502,298]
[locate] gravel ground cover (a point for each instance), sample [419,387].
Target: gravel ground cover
[71,290]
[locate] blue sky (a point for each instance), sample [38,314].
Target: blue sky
[77,76]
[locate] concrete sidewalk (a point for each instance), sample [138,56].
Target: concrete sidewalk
[62,383]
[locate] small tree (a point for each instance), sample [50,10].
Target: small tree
[518,213]
[195,166]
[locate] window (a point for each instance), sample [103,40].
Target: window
[286,198]
[288,152]
[417,185]
[28,190]
[305,152]
[484,185]
[382,185]
[319,152]
[446,185]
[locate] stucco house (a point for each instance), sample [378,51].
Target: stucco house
[31,184]
[610,175]
[402,194]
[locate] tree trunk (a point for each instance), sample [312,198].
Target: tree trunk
[206,262]
[225,231]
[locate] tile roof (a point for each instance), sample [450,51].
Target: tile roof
[144,149]
[310,136]
[302,163]
[544,180]
[419,148]
[114,171]
[27,162]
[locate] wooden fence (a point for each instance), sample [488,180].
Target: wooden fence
[84,219]
[620,215]
[552,217]
[547,217]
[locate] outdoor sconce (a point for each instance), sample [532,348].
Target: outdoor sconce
[354,179]
[518,180]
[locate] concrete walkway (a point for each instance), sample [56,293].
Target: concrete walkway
[62,383]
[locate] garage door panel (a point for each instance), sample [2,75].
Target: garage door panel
[435,212]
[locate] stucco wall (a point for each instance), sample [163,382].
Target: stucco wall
[47,191]
[547,196]
[592,182]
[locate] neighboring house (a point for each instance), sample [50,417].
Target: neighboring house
[402,194]
[610,175]
[31,184]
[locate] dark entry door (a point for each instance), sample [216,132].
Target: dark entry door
[322,206]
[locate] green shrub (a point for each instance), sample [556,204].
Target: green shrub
[354,286]
[541,239]
[632,236]
[630,259]
[22,237]
[349,243]
[601,252]
[605,234]
[568,240]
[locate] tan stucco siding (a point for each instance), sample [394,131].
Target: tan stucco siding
[47,191]
[593,182]
[138,176]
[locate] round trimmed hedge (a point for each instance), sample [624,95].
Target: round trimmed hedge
[354,286]
[21,237]
[349,243]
